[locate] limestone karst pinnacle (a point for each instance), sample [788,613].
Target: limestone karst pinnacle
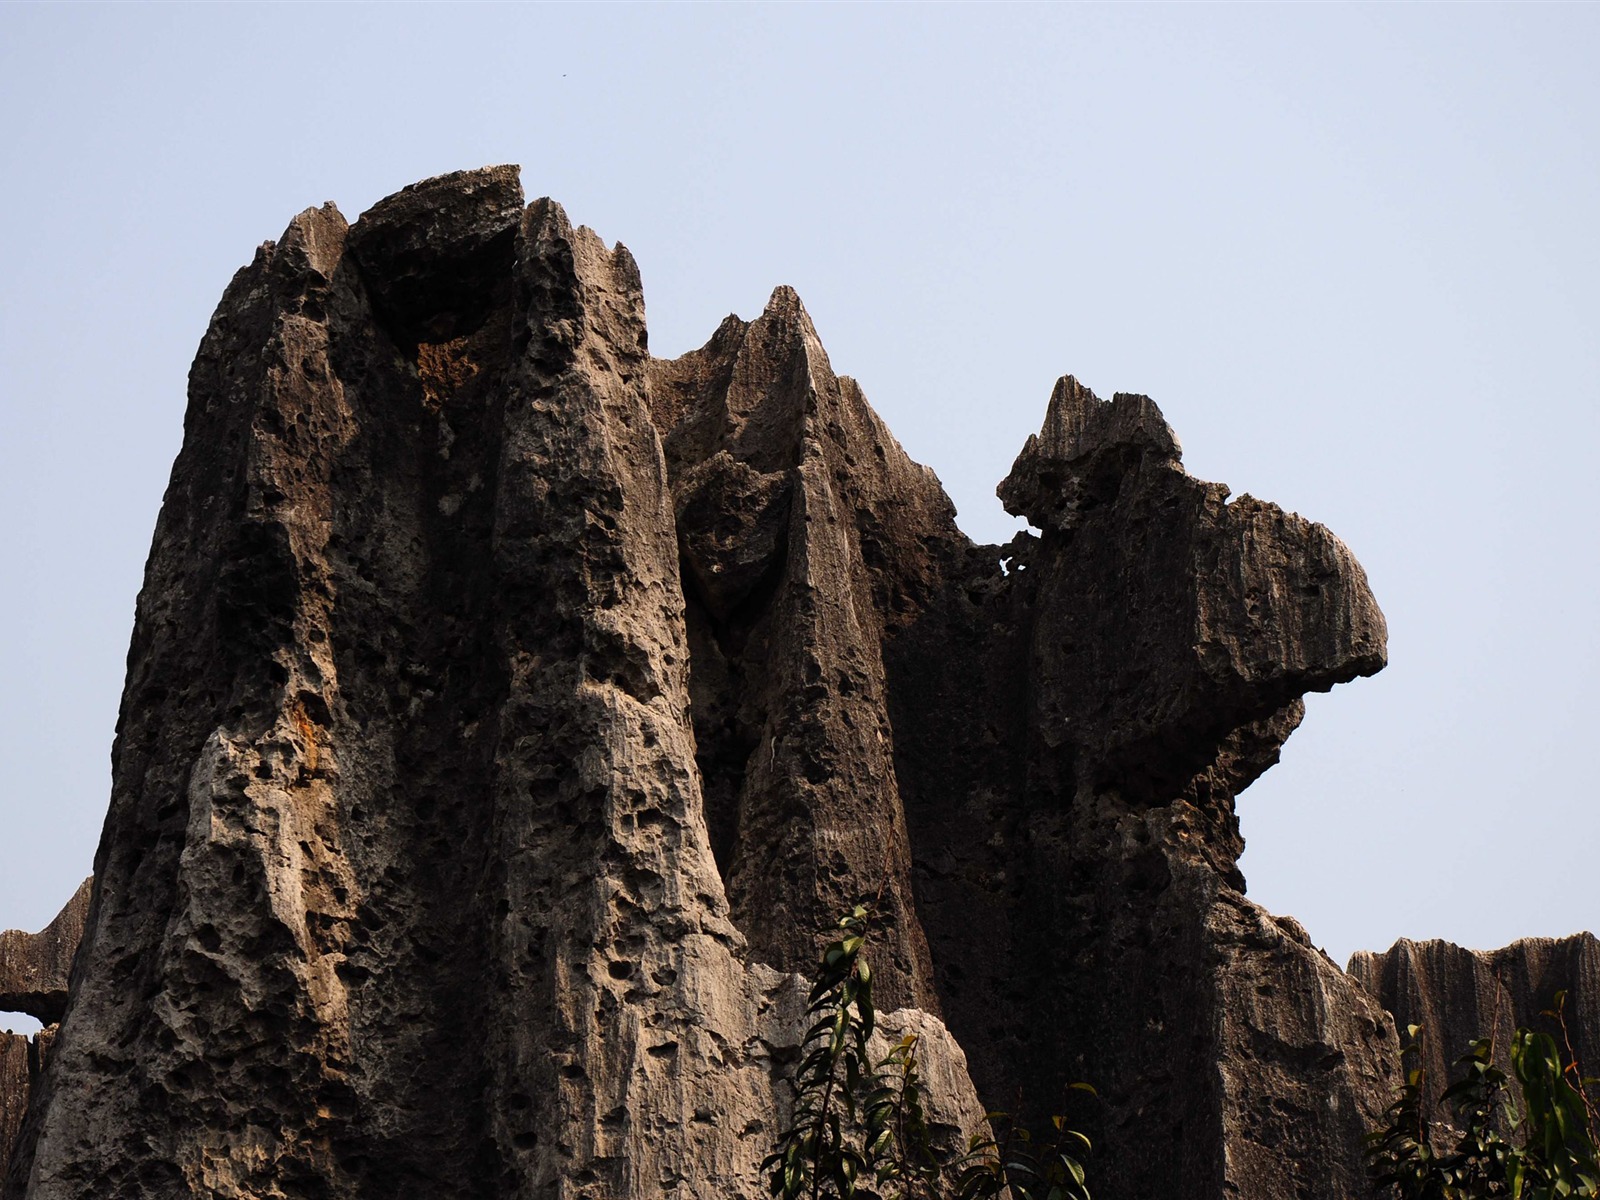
[507,707]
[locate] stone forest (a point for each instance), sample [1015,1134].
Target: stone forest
[507,711]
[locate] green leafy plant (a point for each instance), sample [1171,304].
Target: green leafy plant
[1400,1151]
[860,1128]
[814,1157]
[1550,1153]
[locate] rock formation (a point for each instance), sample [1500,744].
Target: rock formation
[406,887]
[35,976]
[35,967]
[1094,712]
[507,708]
[1457,995]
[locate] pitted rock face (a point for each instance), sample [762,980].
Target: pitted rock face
[507,708]
[1151,645]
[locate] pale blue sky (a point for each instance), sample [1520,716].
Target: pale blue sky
[1352,252]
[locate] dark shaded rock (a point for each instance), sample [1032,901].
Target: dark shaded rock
[36,968]
[435,258]
[16,1085]
[1071,735]
[1169,617]
[1458,995]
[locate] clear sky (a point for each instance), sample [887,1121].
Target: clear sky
[1353,251]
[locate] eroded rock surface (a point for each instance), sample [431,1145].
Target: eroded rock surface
[1070,771]
[1457,995]
[16,1086]
[35,977]
[806,534]
[35,968]
[506,709]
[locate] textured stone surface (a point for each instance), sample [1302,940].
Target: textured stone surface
[805,532]
[1071,736]
[22,1063]
[35,967]
[1305,1067]
[16,1085]
[506,708]
[1457,995]
[406,889]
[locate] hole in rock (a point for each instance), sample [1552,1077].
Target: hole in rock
[13,1022]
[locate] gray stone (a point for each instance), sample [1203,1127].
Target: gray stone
[506,709]
[36,968]
[1456,996]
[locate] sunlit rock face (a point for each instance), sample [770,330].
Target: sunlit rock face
[507,708]
[1455,996]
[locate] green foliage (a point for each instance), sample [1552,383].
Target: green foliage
[859,1128]
[814,1158]
[1558,1155]
[1049,1171]
[1400,1152]
[1550,1154]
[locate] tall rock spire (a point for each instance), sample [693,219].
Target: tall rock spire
[805,532]
[406,888]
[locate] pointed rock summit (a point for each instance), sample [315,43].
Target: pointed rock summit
[507,709]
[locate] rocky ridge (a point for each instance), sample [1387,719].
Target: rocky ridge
[506,708]
[1456,995]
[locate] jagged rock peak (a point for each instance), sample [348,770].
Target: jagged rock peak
[805,533]
[1064,469]
[506,709]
